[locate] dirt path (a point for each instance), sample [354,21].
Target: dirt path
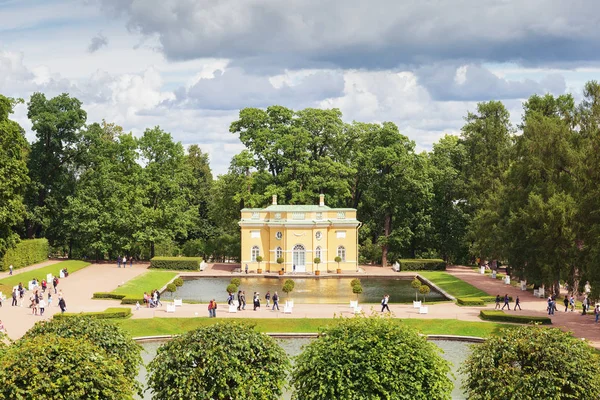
[581,326]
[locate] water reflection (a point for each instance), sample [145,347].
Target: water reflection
[307,290]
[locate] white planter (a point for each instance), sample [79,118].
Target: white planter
[232,309]
[507,280]
[423,310]
[353,303]
[178,302]
[170,307]
[287,310]
[482,270]
[523,285]
[416,304]
[289,303]
[493,274]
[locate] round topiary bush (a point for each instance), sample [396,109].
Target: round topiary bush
[370,358]
[231,288]
[531,362]
[171,287]
[236,281]
[178,282]
[221,361]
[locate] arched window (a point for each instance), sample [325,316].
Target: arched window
[318,252]
[278,252]
[299,256]
[255,253]
[341,253]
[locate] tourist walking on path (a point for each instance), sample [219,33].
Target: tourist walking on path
[572,303]
[62,304]
[517,304]
[55,283]
[256,301]
[130,261]
[246,268]
[497,307]
[49,299]
[275,301]
[268,298]
[239,299]
[118,261]
[506,302]
[566,302]
[551,305]
[10,268]
[42,306]
[243,299]
[212,309]
[384,303]
[14,297]
[597,312]
[124,262]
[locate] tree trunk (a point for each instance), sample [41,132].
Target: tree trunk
[387,223]
[152,250]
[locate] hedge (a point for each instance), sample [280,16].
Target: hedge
[105,295]
[176,263]
[132,300]
[501,316]
[492,299]
[470,301]
[109,313]
[26,252]
[422,265]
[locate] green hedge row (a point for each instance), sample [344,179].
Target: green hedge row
[109,313]
[176,263]
[26,252]
[106,295]
[132,300]
[492,299]
[470,301]
[501,316]
[422,265]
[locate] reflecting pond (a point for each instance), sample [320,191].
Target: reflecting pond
[455,352]
[307,290]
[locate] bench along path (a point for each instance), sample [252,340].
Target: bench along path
[77,290]
[581,326]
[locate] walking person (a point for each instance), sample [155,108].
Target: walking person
[517,304]
[239,299]
[10,268]
[49,299]
[384,303]
[243,300]
[119,261]
[497,307]
[506,299]
[124,262]
[597,312]
[55,283]
[275,301]
[268,298]
[246,268]
[566,303]
[256,300]
[62,304]
[14,297]
[42,306]
[130,261]
[157,298]
[572,303]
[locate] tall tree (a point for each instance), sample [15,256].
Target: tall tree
[57,123]
[200,186]
[13,169]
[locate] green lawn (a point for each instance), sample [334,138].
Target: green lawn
[146,282]
[175,326]
[71,265]
[452,285]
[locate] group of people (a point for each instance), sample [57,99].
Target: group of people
[37,301]
[241,299]
[507,302]
[152,300]
[123,260]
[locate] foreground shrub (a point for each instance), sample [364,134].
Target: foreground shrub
[109,313]
[53,367]
[422,265]
[370,358]
[470,301]
[221,361]
[176,263]
[26,252]
[532,363]
[102,333]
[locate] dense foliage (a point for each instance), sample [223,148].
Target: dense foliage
[370,358]
[422,265]
[102,333]
[176,263]
[533,362]
[221,361]
[54,367]
[501,316]
[26,252]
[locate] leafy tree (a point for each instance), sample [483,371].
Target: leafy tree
[58,124]
[370,358]
[221,361]
[200,182]
[416,284]
[231,288]
[532,362]
[357,289]
[288,286]
[55,367]
[259,260]
[102,333]
[13,169]
[424,290]
[236,281]
[317,261]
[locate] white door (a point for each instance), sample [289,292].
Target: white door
[299,258]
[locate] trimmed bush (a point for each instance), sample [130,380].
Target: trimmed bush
[176,263]
[500,276]
[178,281]
[109,313]
[26,252]
[470,301]
[105,295]
[501,316]
[492,299]
[171,287]
[422,265]
[132,300]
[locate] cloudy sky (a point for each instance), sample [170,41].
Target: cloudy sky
[190,65]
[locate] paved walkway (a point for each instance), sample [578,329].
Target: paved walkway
[79,287]
[581,326]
